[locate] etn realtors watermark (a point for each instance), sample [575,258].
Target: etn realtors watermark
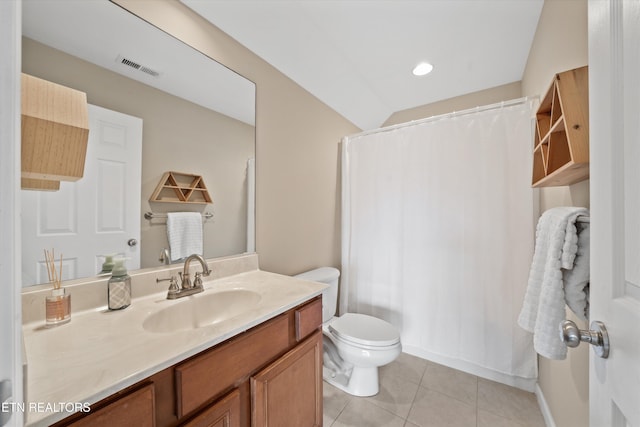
[45,407]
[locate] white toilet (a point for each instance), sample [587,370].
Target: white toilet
[355,345]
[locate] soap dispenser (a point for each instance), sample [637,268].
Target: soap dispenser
[119,286]
[107,265]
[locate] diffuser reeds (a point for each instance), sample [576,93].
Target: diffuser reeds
[58,304]
[55,276]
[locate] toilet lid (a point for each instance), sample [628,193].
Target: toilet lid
[365,330]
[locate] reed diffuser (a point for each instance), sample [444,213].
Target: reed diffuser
[58,304]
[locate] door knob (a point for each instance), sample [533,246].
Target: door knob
[132,242]
[597,336]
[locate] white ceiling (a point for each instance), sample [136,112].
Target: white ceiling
[357,55]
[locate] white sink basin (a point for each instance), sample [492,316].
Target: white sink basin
[201,310]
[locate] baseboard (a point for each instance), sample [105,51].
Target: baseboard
[544,408]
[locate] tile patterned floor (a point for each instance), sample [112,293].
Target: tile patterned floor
[418,393]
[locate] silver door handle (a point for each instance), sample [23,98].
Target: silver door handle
[596,336]
[132,242]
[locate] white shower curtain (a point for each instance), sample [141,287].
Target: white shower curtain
[437,236]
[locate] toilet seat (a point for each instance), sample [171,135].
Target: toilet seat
[363,330]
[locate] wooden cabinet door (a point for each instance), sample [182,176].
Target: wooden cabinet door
[224,413]
[288,392]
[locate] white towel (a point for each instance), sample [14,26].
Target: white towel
[544,303]
[184,231]
[576,279]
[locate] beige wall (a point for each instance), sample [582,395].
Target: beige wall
[207,143]
[459,103]
[561,44]
[297,141]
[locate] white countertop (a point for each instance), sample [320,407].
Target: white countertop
[101,352]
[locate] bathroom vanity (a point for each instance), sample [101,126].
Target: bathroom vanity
[259,364]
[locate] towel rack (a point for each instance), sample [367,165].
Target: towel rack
[584,219]
[151,215]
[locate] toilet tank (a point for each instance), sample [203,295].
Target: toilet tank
[329,276]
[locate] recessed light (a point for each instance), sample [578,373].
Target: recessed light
[422,69]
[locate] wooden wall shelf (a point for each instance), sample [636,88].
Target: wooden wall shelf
[561,147]
[177,187]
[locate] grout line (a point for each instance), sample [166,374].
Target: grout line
[415,395]
[413,401]
[343,408]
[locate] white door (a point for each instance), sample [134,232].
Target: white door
[94,216]
[614,85]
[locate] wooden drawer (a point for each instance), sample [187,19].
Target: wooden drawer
[204,377]
[308,318]
[134,409]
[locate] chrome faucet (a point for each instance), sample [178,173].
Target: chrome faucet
[184,276]
[186,287]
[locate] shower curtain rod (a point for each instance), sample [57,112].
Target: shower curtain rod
[478,109]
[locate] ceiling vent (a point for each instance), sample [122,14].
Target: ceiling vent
[136,66]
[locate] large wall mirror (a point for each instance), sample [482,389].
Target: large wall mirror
[198,117]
